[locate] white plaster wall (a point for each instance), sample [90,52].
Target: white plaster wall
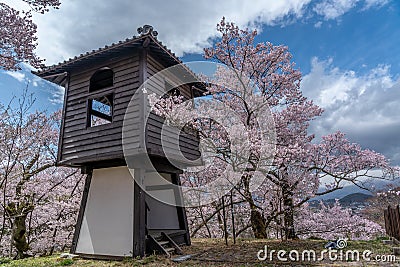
[107,227]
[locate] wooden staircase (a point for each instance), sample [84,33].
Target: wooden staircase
[162,244]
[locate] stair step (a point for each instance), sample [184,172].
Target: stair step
[162,243]
[170,249]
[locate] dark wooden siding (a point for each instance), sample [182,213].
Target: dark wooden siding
[82,144]
[188,144]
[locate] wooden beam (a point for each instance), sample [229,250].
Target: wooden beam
[139,213]
[146,42]
[142,106]
[101,115]
[86,169]
[61,137]
[88,114]
[183,223]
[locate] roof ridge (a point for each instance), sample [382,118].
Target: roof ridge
[90,53]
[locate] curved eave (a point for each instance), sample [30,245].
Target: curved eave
[57,73]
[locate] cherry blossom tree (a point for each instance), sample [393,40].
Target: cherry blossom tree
[18,33]
[39,201]
[252,77]
[334,158]
[335,222]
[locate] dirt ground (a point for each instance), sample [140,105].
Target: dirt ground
[214,252]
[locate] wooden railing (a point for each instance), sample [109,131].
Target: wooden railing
[392,222]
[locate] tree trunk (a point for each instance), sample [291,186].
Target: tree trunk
[258,224]
[288,216]
[257,220]
[19,236]
[19,213]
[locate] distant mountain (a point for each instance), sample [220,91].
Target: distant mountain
[374,185]
[354,198]
[351,200]
[341,193]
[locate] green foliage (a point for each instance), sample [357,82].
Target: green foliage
[31,262]
[4,260]
[66,262]
[140,261]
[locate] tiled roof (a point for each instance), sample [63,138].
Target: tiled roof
[57,73]
[105,51]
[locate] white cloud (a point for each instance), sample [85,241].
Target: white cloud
[57,95]
[318,24]
[333,9]
[184,26]
[365,106]
[328,85]
[375,3]
[19,76]
[24,75]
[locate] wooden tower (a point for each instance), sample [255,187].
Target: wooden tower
[117,218]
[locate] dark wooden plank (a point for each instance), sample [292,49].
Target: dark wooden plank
[75,107]
[139,225]
[83,157]
[185,138]
[114,145]
[80,76]
[94,131]
[129,76]
[97,161]
[63,119]
[155,66]
[183,222]
[75,114]
[82,129]
[142,107]
[75,122]
[69,143]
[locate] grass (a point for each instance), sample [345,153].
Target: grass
[52,261]
[214,252]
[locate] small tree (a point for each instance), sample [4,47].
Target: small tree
[39,201]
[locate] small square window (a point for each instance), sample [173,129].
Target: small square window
[100,110]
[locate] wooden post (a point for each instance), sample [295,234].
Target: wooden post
[392,222]
[139,213]
[143,99]
[62,128]
[233,219]
[397,224]
[183,223]
[224,218]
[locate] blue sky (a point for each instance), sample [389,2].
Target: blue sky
[347,50]
[359,40]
